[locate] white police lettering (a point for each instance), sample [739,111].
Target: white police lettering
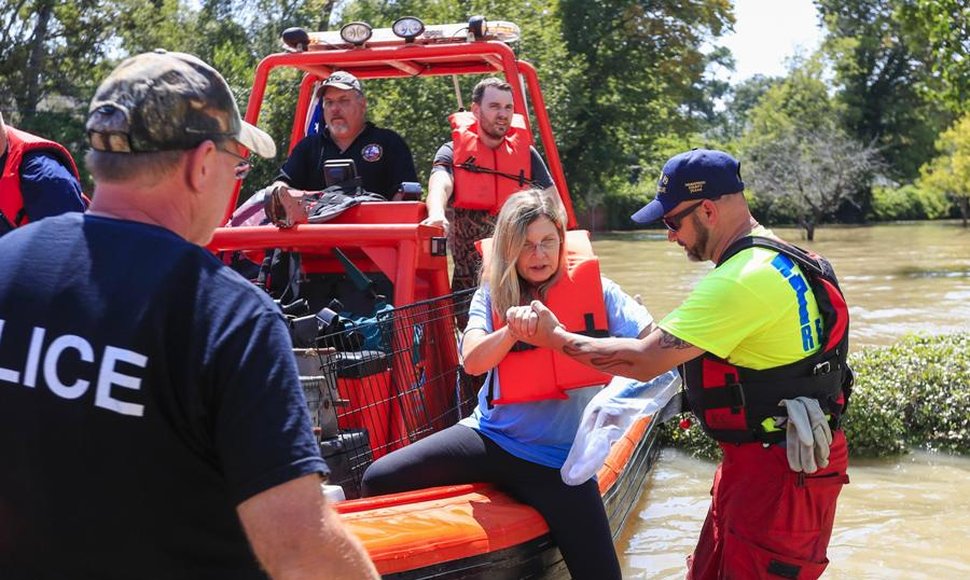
[65,387]
[33,357]
[7,375]
[54,351]
[108,376]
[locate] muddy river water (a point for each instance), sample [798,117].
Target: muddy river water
[908,517]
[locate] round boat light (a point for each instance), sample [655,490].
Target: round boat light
[356,33]
[408,28]
[295,39]
[476,27]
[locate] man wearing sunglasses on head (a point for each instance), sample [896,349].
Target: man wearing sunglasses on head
[761,343]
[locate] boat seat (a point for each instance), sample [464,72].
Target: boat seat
[410,530]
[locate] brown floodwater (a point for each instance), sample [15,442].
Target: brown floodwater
[902,518]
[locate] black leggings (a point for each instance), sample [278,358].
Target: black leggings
[575,514]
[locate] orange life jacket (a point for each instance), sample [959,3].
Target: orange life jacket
[530,374]
[18,144]
[486,177]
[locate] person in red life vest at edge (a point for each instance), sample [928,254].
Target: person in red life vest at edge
[762,340]
[489,158]
[39,179]
[532,401]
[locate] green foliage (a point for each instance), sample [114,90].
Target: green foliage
[640,62]
[915,393]
[799,102]
[741,100]
[941,26]
[693,440]
[51,54]
[909,202]
[949,173]
[882,78]
[611,209]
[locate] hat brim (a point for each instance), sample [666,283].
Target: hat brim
[649,213]
[341,86]
[257,141]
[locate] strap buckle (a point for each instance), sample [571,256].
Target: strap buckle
[735,393]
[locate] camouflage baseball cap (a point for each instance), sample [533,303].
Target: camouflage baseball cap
[167,101]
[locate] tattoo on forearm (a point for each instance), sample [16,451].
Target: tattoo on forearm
[668,340]
[576,348]
[582,348]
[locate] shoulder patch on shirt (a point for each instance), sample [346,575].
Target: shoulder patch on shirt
[372,152]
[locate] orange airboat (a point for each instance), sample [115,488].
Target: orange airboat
[386,378]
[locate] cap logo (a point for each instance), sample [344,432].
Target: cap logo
[695,186]
[372,152]
[662,185]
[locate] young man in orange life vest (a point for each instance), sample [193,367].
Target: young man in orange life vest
[489,158]
[38,179]
[762,340]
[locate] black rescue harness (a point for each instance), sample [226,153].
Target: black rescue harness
[735,404]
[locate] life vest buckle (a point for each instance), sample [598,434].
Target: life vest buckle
[822,368]
[735,393]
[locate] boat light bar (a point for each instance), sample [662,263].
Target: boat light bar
[356,33]
[408,28]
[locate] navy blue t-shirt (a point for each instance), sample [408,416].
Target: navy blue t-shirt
[382,157]
[145,391]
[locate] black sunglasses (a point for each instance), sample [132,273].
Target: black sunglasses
[673,222]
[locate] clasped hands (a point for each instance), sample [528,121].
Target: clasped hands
[534,323]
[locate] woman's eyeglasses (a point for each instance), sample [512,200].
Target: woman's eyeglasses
[674,222]
[243,167]
[549,246]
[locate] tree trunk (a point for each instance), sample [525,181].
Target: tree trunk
[964,204]
[35,62]
[809,231]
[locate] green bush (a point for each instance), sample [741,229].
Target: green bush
[915,393]
[896,203]
[908,202]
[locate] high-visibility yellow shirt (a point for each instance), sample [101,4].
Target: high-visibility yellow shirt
[756,310]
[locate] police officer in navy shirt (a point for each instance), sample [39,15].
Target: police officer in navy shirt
[38,178]
[382,157]
[152,422]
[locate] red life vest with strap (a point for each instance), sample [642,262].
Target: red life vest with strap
[531,374]
[736,404]
[18,144]
[486,177]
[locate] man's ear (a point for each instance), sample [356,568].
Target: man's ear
[201,165]
[476,109]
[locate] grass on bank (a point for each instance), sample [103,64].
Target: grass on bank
[913,394]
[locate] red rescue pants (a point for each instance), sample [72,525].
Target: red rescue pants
[765,520]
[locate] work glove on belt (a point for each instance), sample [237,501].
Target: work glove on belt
[808,435]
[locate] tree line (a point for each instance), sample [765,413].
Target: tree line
[873,125]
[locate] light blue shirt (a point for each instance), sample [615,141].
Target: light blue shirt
[542,432]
